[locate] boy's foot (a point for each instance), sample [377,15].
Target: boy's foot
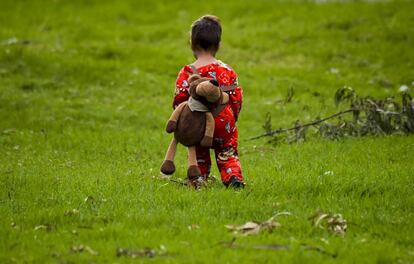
[235,183]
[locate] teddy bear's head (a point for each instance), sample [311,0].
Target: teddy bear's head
[204,89]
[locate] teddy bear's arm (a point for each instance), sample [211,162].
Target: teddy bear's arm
[172,122]
[207,140]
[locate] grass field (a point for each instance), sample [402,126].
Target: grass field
[86,88]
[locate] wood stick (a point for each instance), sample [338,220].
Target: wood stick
[315,122]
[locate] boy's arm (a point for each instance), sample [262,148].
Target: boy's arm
[235,96]
[181,88]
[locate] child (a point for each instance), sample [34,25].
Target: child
[205,42]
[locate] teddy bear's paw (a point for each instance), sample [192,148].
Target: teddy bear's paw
[206,141]
[168,167]
[193,172]
[171,126]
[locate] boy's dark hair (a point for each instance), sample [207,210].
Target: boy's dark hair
[206,34]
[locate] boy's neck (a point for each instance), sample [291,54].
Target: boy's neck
[204,58]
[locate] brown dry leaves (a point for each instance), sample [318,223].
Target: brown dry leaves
[82,248]
[253,228]
[71,212]
[334,223]
[48,227]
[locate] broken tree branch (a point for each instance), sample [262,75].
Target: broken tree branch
[315,122]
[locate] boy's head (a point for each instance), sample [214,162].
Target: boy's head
[206,34]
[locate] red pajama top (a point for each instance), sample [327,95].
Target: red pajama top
[219,71]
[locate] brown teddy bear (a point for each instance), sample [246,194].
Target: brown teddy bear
[193,124]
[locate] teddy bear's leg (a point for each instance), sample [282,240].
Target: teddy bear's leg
[207,140]
[168,166]
[193,171]
[195,179]
[172,122]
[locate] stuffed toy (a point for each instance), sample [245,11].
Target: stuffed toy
[193,124]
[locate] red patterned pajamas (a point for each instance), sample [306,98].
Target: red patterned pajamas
[225,132]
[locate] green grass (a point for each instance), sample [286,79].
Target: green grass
[85,94]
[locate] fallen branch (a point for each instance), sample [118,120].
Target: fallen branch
[315,122]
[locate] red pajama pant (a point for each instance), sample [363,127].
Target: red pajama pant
[225,148]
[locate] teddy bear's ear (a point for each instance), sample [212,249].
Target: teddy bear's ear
[214,82]
[193,78]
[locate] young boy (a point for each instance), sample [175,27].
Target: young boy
[205,42]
